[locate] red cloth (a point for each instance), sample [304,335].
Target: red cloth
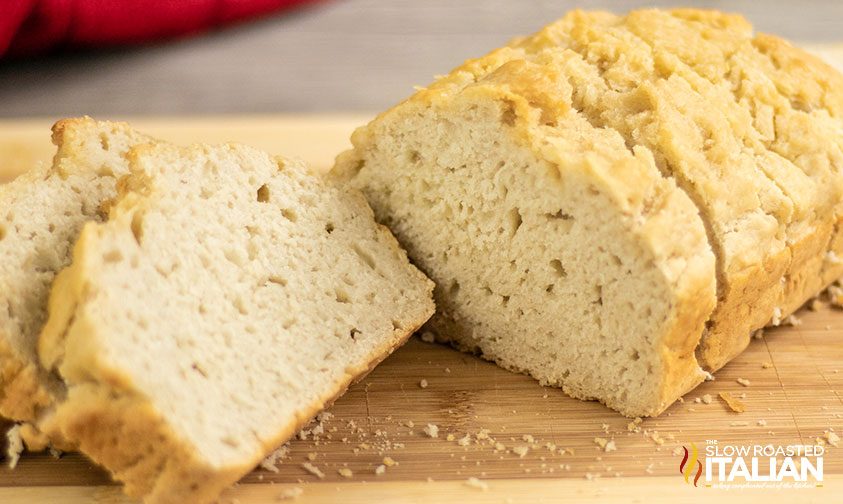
[30,27]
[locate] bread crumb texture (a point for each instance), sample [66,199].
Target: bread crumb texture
[614,204]
[229,297]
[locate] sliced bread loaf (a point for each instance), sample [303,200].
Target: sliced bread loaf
[495,145]
[41,214]
[229,298]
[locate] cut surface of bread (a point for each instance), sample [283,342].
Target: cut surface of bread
[720,113]
[556,250]
[41,214]
[229,297]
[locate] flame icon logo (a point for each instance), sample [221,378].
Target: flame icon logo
[687,466]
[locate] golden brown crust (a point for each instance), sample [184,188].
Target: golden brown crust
[22,390]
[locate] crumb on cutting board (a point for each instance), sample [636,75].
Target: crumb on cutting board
[312,469]
[15,446]
[290,493]
[732,402]
[477,483]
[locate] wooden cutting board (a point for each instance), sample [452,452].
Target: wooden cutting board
[526,443]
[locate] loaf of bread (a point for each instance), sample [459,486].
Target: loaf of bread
[41,214]
[229,297]
[614,204]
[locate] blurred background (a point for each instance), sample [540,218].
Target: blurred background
[294,56]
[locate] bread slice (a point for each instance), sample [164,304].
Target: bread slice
[41,214]
[723,117]
[229,298]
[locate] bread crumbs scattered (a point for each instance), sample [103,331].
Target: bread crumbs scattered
[311,457]
[432,430]
[759,334]
[766,365]
[465,440]
[832,438]
[706,399]
[762,422]
[428,337]
[477,483]
[15,446]
[744,382]
[635,425]
[733,403]
[423,383]
[345,472]
[450,437]
[290,493]
[389,462]
[312,469]
[380,470]
[270,462]
[792,320]
[521,450]
[654,436]
[677,450]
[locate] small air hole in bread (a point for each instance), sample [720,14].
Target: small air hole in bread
[112,256]
[557,267]
[137,227]
[515,221]
[263,194]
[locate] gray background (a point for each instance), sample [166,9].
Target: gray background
[345,55]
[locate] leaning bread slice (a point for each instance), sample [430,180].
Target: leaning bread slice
[41,214]
[229,297]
